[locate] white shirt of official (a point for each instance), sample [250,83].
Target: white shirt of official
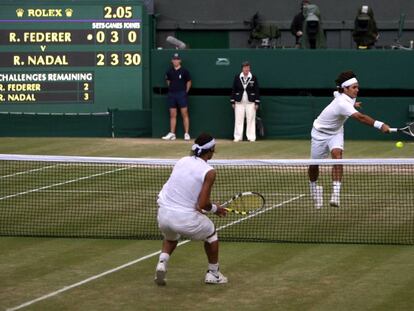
[332,118]
[180,193]
[245,109]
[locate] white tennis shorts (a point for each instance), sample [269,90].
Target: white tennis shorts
[322,143]
[193,225]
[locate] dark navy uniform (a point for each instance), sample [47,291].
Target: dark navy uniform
[177,89]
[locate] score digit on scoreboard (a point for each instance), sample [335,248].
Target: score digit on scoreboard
[67,52]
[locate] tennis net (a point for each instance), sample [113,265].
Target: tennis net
[85,197]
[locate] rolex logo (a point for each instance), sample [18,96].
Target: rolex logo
[69,12]
[20,12]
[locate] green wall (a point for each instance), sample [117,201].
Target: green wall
[122,123]
[292,68]
[297,70]
[213,71]
[54,126]
[284,116]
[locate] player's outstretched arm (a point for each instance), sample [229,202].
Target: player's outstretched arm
[363,118]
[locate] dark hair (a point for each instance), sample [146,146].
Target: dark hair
[245,64]
[201,140]
[344,76]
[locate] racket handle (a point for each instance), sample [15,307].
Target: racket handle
[230,210]
[393,130]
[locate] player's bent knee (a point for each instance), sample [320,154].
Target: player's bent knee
[212,238]
[337,154]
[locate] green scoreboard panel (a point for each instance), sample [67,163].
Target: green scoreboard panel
[70,56]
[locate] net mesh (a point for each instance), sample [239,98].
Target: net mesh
[116,198]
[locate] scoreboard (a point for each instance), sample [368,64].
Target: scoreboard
[71,56]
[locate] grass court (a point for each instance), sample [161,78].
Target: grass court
[117,274]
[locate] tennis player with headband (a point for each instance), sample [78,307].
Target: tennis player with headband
[183,202]
[328,134]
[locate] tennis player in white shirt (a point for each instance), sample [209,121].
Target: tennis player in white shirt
[183,202]
[328,134]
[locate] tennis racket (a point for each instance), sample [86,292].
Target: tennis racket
[408,130]
[244,203]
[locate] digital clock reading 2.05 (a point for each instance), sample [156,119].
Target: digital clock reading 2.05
[117,12]
[70,53]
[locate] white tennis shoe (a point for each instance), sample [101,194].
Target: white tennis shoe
[160,273]
[317,196]
[334,200]
[169,136]
[215,278]
[187,137]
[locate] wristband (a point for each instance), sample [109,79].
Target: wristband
[213,208]
[378,124]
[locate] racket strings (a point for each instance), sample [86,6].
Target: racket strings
[247,203]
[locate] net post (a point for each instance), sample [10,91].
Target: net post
[112,116]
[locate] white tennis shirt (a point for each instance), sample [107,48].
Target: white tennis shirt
[181,191]
[332,118]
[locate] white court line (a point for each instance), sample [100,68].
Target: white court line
[155,192]
[66,288]
[28,171]
[137,193]
[61,183]
[260,212]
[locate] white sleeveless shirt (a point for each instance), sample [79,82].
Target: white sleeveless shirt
[181,191]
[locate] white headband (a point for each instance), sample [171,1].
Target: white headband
[349,82]
[207,146]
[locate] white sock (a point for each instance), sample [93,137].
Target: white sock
[213,267]
[164,257]
[336,187]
